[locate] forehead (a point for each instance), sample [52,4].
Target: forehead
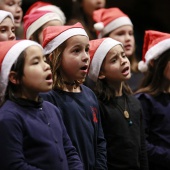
[78,39]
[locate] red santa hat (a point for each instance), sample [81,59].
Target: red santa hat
[10,51]
[53,36]
[46,6]
[98,51]
[155,43]
[33,21]
[4,14]
[108,20]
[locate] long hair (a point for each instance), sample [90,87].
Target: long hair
[55,63]
[35,35]
[106,93]
[154,77]
[17,67]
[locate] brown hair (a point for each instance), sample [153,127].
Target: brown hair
[55,63]
[104,92]
[153,82]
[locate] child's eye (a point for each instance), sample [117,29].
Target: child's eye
[13,30]
[10,3]
[113,60]
[76,50]
[87,49]
[3,30]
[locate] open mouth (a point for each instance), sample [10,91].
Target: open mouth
[84,68]
[49,77]
[125,70]
[17,19]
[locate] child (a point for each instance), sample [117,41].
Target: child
[82,11]
[68,47]
[113,23]
[35,22]
[154,95]
[32,134]
[46,6]
[7,28]
[121,114]
[14,6]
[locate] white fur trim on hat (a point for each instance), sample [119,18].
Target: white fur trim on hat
[58,40]
[9,60]
[40,22]
[99,56]
[4,14]
[56,10]
[115,24]
[98,26]
[153,53]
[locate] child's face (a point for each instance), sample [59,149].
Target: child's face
[7,30]
[125,35]
[75,58]
[13,6]
[90,5]
[37,73]
[50,23]
[116,66]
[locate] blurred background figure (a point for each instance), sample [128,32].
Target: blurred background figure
[154,95]
[14,6]
[7,27]
[82,12]
[37,21]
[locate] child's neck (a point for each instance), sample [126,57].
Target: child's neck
[117,88]
[28,96]
[73,89]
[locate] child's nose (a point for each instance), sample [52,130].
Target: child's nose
[12,36]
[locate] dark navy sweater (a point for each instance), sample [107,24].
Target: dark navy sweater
[157,128]
[34,138]
[80,112]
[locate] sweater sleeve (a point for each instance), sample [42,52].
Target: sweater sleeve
[159,155]
[11,144]
[73,159]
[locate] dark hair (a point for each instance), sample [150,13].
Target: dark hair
[18,67]
[35,35]
[58,82]
[154,79]
[104,92]
[78,15]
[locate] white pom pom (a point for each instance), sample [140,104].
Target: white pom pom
[99,26]
[143,67]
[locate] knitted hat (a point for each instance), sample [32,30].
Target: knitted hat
[53,36]
[46,6]
[155,43]
[10,51]
[33,21]
[4,14]
[108,20]
[98,51]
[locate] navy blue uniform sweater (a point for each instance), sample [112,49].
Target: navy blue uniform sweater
[34,138]
[80,112]
[157,129]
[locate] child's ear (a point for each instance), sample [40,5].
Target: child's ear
[13,77]
[50,56]
[101,75]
